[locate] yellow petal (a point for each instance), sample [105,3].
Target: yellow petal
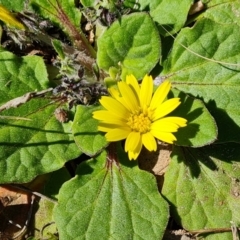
[108,117]
[164,125]
[163,136]
[146,91]
[106,127]
[117,134]
[132,81]
[165,108]
[129,96]
[149,141]
[114,106]
[181,122]
[132,141]
[134,154]
[160,94]
[114,92]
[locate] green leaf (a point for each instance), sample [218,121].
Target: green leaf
[136,4]
[54,181]
[31,148]
[111,200]
[58,47]
[215,3]
[141,4]
[132,43]
[223,12]
[38,146]
[217,84]
[86,134]
[59,13]
[171,14]
[204,182]
[88,3]
[21,75]
[43,225]
[16,5]
[199,119]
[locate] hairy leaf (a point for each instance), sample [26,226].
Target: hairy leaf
[198,120]
[216,83]
[131,43]
[204,182]
[170,13]
[111,200]
[85,132]
[40,144]
[59,12]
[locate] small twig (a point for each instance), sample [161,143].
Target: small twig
[14,103]
[196,7]
[15,118]
[234,231]
[34,193]
[28,219]
[196,233]
[43,228]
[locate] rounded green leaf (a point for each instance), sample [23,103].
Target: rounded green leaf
[110,200]
[216,83]
[203,187]
[86,134]
[171,14]
[132,43]
[201,128]
[36,146]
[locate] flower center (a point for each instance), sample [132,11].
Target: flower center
[139,122]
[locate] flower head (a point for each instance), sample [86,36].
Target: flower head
[135,113]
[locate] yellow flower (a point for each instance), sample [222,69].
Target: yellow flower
[9,18]
[134,113]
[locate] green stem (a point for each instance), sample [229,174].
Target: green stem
[78,38]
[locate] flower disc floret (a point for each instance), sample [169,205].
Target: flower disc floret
[139,123]
[135,113]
